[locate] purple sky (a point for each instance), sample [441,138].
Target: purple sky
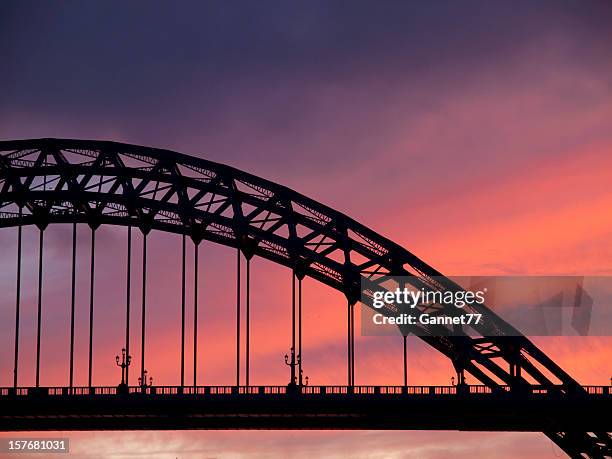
[478,134]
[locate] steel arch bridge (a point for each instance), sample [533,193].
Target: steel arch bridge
[47,181]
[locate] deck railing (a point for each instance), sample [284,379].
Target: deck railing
[303,390]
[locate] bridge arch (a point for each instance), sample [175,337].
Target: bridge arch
[46,181]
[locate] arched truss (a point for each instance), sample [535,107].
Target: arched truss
[46,181]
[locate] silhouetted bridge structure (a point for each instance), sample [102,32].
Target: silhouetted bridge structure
[93,183]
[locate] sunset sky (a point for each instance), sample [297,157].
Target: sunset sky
[476,134]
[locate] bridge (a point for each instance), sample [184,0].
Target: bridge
[94,183]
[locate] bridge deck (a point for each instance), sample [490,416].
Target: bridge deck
[310,407]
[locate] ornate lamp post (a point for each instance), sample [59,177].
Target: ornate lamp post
[124,362]
[142,380]
[292,362]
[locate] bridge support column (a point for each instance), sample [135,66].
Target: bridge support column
[351,343]
[183,243]
[144,309]
[40,292]
[127,302]
[196,253]
[297,373]
[72,304]
[91,303]
[238,317]
[247,247]
[514,358]
[41,228]
[293,326]
[459,364]
[405,361]
[300,371]
[295,360]
[18,299]
[248,321]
